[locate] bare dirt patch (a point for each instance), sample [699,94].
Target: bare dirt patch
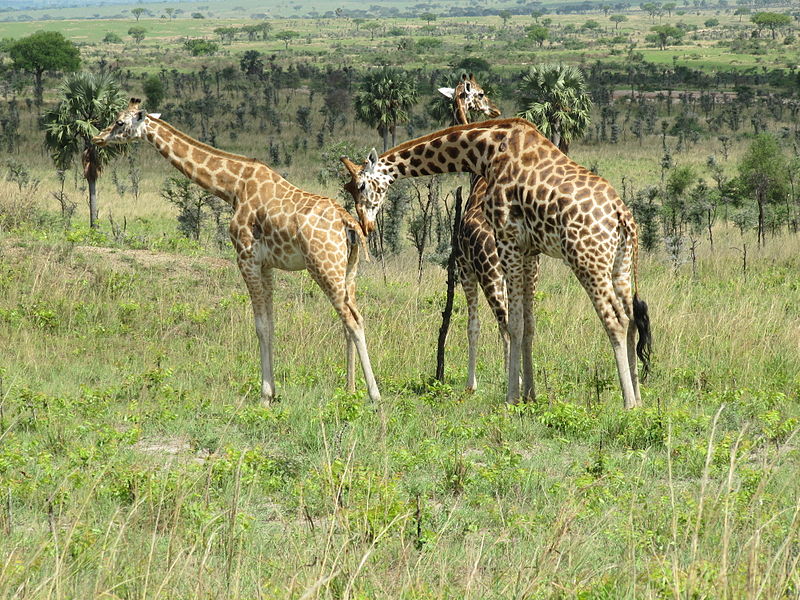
[123,260]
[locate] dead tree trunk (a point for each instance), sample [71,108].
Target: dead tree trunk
[451,287]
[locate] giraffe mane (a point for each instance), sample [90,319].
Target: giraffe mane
[179,134]
[355,169]
[509,122]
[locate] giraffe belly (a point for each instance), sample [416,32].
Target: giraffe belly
[280,256]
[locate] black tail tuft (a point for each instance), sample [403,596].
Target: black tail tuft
[645,344]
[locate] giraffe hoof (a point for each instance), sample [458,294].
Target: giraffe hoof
[268,399]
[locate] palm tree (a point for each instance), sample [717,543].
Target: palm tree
[86,103]
[385,101]
[554,98]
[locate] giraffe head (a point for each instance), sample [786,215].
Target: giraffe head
[472,95]
[368,185]
[129,125]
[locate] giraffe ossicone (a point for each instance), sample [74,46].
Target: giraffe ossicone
[538,201]
[275,225]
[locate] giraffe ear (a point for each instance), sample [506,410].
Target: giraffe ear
[372,160]
[447,92]
[472,78]
[463,76]
[154,115]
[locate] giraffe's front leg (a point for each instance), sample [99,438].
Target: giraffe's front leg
[512,268]
[470,287]
[258,279]
[530,274]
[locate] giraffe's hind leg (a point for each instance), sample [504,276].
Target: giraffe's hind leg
[469,283]
[614,316]
[511,261]
[621,277]
[334,283]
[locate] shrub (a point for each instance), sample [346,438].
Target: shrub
[198,47]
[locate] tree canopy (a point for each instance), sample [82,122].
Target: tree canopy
[763,172]
[287,36]
[771,21]
[666,34]
[385,101]
[554,97]
[86,104]
[537,33]
[44,51]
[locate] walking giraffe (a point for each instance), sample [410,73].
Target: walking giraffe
[275,225]
[477,258]
[537,201]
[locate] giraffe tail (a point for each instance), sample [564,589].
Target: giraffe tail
[641,317]
[357,239]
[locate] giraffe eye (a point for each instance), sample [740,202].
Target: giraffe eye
[362,186]
[120,123]
[480,95]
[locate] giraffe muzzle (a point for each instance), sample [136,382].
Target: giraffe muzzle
[368,225]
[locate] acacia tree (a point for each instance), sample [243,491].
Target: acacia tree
[617,19]
[763,172]
[742,10]
[87,102]
[372,27]
[385,101]
[554,97]
[771,21]
[44,51]
[505,15]
[666,34]
[537,33]
[287,36]
[137,33]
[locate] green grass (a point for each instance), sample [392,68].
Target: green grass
[137,462]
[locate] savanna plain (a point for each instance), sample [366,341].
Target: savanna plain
[136,459]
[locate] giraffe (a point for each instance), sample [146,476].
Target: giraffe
[275,225]
[538,201]
[468,96]
[476,257]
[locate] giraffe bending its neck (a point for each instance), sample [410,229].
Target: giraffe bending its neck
[476,257]
[537,201]
[274,225]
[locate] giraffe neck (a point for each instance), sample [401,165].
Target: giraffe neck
[461,117]
[460,113]
[459,149]
[218,172]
